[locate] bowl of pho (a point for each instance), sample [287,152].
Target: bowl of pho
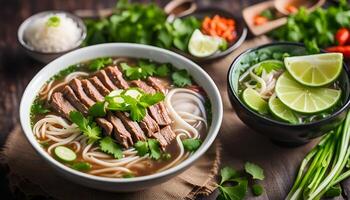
[121,117]
[282,91]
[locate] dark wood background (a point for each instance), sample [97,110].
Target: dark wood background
[16,70]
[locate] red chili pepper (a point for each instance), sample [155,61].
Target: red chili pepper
[342,36]
[341,49]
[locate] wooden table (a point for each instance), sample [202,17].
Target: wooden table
[240,143]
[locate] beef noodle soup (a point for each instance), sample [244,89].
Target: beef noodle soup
[121,117]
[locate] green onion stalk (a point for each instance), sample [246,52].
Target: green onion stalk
[324,166]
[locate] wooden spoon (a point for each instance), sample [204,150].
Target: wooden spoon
[284,6]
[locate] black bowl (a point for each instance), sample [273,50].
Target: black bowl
[281,132]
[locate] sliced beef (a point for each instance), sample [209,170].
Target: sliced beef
[149,126]
[99,85]
[133,127]
[77,87]
[168,134]
[106,126]
[73,99]
[156,84]
[105,80]
[116,77]
[120,133]
[158,111]
[61,105]
[91,91]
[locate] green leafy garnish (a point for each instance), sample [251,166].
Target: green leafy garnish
[98,109]
[191,144]
[257,190]
[163,70]
[268,14]
[63,73]
[128,175]
[86,125]
[268,67]
[228,173]
[181,78]
[107,145]
[333,191]
[99,63]
[38,108]
[53,21]
[144,70]
[254,170]
[151,147]
[82,166]
[236,192]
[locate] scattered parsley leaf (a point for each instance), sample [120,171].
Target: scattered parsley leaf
[107,145]
[53,21]
[89,128]
[228,173]
[82,166]
[181,78]
[135,73]
[236,192]
[256,171]
[141,148]
[99,63]
[257,190]
[38,108]
[98,109]
[63,73]
[191,144]
[154,148]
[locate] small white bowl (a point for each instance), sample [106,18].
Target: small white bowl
[46,57]
[125,50]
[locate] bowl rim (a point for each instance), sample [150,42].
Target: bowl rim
[345,106]
[211,135]
[24,25]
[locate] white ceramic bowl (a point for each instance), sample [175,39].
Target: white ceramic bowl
[125,50]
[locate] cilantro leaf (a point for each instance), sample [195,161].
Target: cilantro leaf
[82,166]
[141,148]
[236,192]
[228,173]
[256,171]
[154,148]
[191,144]
[89,128]
[135,73]
[181,78]
[128,175]
[163,70]
[99,63]
[107,145]
[63,73]
[98,109]
[268,67]
[151,99]
[257,189]
[38,108]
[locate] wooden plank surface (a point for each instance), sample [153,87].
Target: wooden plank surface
[240,143]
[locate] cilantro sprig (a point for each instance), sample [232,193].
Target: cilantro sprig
[38,108]
[234,185]
[99,63]
[151,147]
[191,144]
[145,69]
[86,125]
[181,78]
[109,146]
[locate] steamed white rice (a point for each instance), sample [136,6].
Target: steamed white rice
[50,39]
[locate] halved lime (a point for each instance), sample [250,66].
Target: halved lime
[315,70]
[203,45]
[254,101]
[305,99]
[281,111]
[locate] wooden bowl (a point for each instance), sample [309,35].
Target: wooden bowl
[310,5]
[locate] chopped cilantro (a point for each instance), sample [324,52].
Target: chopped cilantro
[86,125]
[53,21]
[107,145]
[257,190]
[98,109]
[268,67]
[141,148]
[151,147]
[191,144]
[181,78]
[99,63]
[254,170]
[163,70]
[144,69]
[82,166]
[38,108]
[63,73]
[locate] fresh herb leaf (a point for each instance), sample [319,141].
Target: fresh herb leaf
[257,190]
[333,191]
[154,148]
[63,73]
[98,109]
[268,67]
[109,146]
[128,175]
[99,63]
[236,192]
[191,144]
[135,73]
[38,108]
[151,99]
[268,14]
[141,148]
[53,21]
[163,70]
[82,166]
[166,156]
[254,170]
[228,173]
[89,128]
[181,78]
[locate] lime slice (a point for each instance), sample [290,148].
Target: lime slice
[65,154]
[254,101]
[315,70]
[281,111]
[304,99]
[202,45]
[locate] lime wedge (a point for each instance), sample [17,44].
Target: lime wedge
[315,70]
[254,101]
[304,99]
[203,45]
[281,111]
